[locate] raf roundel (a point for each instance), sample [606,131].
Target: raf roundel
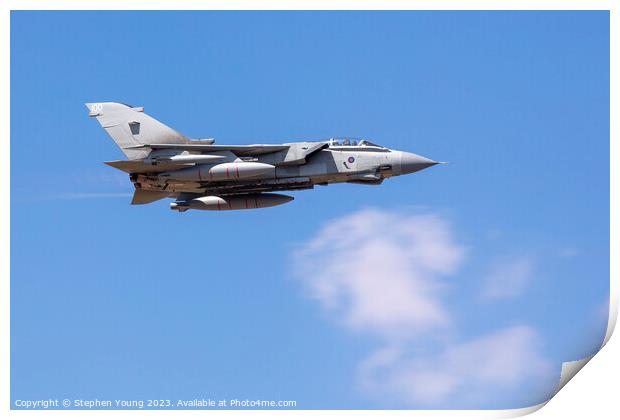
[351,159]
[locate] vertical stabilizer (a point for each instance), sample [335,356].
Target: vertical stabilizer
[129,126]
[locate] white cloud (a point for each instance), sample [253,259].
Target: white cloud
[383,273]
[463,374]
[379,271]
[508,278]
[568,252]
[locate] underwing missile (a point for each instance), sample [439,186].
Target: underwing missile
[233,202]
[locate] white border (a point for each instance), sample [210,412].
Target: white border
[595,386]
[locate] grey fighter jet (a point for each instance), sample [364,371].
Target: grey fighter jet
[202,175]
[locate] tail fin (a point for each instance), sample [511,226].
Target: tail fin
[130,126]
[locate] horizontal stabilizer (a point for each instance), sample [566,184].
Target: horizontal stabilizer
[141,196]
[138,166]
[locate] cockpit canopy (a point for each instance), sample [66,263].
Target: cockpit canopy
[351,141]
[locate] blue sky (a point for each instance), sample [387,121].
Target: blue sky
[507,244]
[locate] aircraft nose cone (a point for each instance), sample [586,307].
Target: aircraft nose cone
[410,162]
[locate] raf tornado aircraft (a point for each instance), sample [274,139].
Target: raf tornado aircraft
[202,175]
